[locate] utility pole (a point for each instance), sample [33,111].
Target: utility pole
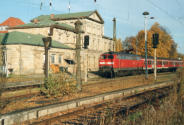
[78,26]
[114,33]
[47,42]
[155,63]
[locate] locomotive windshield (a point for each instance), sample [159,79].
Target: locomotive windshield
[107,57]
[110,56]
[103,57]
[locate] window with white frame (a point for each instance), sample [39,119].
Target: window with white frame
[53,58]
[60,59]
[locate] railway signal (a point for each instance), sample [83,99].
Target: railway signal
[155,42]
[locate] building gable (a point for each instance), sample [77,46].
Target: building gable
[95,16]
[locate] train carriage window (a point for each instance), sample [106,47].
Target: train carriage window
[138,58]
[134,57]
[149,62]
[157,62]
[129,57]
[120,57]
[125,57]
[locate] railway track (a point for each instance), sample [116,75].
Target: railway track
[39,112]
[21,92]
[31,84]
[99,113]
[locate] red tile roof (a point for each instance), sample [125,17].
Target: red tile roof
[4,31]
[12,21]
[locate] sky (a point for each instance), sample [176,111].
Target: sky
[168,13]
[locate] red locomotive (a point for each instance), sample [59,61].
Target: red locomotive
[119,62]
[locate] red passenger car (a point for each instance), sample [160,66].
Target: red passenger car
[119,62]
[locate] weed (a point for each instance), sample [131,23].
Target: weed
[59,85]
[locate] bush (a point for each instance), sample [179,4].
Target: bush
[59,85]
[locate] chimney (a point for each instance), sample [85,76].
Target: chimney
[114,28]
[52,16]
[35,21]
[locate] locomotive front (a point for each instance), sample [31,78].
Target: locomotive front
[106,63]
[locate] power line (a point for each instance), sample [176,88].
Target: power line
[179,4]
[164,11]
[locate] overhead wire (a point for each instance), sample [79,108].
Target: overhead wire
[180,7]
[165,12]
[179,4]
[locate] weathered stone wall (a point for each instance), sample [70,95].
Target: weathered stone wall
[26,59]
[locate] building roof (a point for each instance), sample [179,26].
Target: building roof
[45,23]
[11,22]
[15,37]
[77,15]
[66,16]
[106,37]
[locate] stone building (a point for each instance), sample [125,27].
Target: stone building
[26,55]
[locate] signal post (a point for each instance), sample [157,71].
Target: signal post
[155,41]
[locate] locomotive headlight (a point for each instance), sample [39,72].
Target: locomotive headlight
[102,62]
[110,62]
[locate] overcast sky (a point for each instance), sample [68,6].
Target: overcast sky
[168,13]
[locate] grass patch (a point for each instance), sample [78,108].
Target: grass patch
[3,81]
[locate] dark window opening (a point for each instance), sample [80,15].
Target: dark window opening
[69,61]
[86,42]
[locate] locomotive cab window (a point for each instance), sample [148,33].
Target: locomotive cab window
[103,57]
[149,62]
[110,57]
